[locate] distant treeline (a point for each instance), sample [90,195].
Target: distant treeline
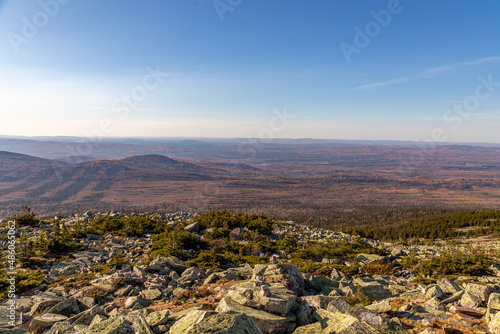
[465,223]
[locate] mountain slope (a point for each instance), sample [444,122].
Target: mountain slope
[24,178]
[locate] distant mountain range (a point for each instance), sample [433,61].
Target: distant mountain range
[295,179]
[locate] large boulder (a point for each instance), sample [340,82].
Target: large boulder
[275,299]
[287,274]
[479,290]
[267,322]
[470,300]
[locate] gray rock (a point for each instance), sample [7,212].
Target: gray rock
[141,326]
[158,318]
[494,324]
[288,274]
[45,321]
[238,233]
[494,301]
[470,300]
[337,323]
[185,324]
[86,317]
[116,325]
[376,292]
[448,286]
[267,322]
[226,324]
[61,328]
[151,294]
[136,302]
[433,290]
[194,228]
[67,307]
[175,264]
[479,290]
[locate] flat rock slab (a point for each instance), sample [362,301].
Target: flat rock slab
[41,323]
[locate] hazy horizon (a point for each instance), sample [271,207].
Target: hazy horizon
[384,70]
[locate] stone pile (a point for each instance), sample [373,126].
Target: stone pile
[166,295]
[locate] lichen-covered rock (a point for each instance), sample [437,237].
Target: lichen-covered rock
[479,290]
[175,264]
[13,331]
[86,317]
[337,323]
[275,299]
[67,307]
[320,301]
[494,324]
[151,294]
[61,328]
[287,274]
[186,323]
[433,304]
[97,319]
[433,290]
[267,322]
[322,283]
[141,326]
[448,286]
[191,275]
[380,307]
[226,324]
[158,318]
[367,258]
[453,298]
[470,300]
[41,323]
[494,301]
[136,303]
[375,291]
[116,325]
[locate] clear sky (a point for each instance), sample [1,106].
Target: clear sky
[403,70]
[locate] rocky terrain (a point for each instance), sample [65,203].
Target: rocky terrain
[166,295]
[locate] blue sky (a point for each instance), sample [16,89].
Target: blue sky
[401,70]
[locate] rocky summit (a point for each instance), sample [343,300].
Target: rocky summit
[88,291]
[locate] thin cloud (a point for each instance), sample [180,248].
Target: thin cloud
[429,73]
